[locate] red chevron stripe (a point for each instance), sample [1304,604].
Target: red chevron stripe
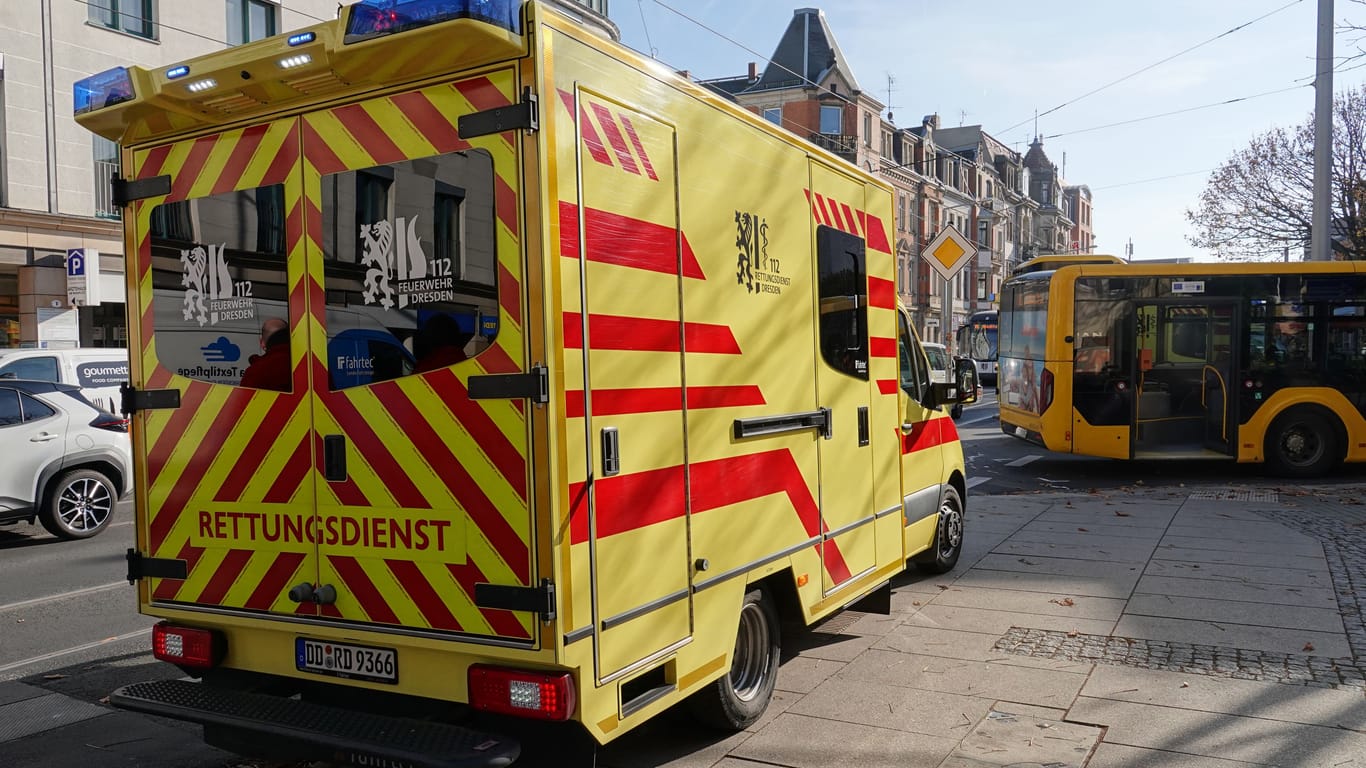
[226,575]
[154,161]
[160,377]
[495,359]
[242,151]
[485,515]
[613,402]
[881,293]
[817,209]
[609,127]
[193,473]
[628,502]
[292,475]
[850,221]
[503,623]
[481,93]
[505,205]
[369,446]
[285,160]
[318,153]
[879,346]
[168,588]
[877,236]
[500,451]
[887,386]
[596,148]
[640,148]
[625,241]
[510,294]
[430,121]
[369,134]
[194,165]
[643,335]
[928,434]
[279,576]
[262,440]
[832,210]
[358,583]
[169,439]
[430,604]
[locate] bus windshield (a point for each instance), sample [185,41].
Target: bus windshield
[1024,304]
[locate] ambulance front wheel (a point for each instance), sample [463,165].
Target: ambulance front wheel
[948,535]
[739,698]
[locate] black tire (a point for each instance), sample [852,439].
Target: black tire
[956,412]
[737,700]
[1302,443]
[78,504]
[948,535]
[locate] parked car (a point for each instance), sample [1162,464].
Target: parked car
[98,371]
[941,369]
[67,461]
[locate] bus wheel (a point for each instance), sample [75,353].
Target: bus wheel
[737,699]
[948,535]
[1301,443]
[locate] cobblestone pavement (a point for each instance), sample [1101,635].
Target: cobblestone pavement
[1316,513]
[1192,658]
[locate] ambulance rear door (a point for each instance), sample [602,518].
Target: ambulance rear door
[414,286]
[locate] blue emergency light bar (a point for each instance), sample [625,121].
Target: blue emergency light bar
[175,72]
[106,89]
[301,38]
[374,18]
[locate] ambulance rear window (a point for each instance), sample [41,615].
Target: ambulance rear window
[843,289]
[410,266]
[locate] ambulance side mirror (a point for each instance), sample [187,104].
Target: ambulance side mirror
[961,390]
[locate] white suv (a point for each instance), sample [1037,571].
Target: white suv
[68,461]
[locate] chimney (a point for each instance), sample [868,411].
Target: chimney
[753,71]
[931,120]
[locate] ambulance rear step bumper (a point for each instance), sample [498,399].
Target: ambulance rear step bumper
[330,733]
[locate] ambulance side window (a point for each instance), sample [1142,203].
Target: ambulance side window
[410,266]
[915,376]
[218,278]
[843,287]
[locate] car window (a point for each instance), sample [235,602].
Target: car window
[35,409]
[40,368]
[938,360]
[9,408]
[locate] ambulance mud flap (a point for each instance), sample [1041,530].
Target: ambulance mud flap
[301,728]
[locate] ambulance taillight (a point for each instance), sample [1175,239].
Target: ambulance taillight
[520,693]
[185,647]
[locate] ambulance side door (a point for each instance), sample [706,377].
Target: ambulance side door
[923,430]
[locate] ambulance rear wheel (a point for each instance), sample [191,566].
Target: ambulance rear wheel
[948,535]
[78,504]
[739,698]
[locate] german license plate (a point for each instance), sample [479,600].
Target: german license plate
[357,662]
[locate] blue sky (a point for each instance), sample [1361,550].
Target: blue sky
[996,62]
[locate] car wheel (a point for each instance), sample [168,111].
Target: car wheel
[78,504]
[956,411]
[948,535]
[739,698]
[1301,443]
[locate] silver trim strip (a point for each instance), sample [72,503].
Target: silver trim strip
[579,634]
[747,567]
[641,610]
[843,529]
[646,662]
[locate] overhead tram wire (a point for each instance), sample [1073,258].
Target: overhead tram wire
[1094,91]
[1176,112]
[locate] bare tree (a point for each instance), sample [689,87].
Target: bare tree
[1259,201]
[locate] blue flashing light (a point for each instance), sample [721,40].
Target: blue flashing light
[373,18]
[301,38]
[175,72]
[106,89]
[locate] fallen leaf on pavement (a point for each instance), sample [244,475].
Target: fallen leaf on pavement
[1066,602]
[1073,633]
[1121,514]
[1084,530]
[1308,646]
[1185,685]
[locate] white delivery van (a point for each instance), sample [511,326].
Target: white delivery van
[98,371]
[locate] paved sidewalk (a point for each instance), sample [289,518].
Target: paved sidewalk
[1134,628]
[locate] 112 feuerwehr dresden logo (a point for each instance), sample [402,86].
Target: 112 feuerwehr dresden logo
[211,295]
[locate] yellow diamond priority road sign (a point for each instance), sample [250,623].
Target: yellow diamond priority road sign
[949,251]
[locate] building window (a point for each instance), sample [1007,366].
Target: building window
[250,20]
[831,120]
[132,16]
[774,115]
[106,169]
[867,130]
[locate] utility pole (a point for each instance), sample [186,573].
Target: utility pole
[1320,247]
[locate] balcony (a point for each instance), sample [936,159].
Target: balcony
[105,172]
[842,144]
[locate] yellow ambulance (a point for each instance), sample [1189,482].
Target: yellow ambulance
[484,369]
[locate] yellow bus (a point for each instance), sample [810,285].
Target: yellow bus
[1260,362]
[1050,261]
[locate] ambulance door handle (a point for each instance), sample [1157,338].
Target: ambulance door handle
[611,452]
[334,458]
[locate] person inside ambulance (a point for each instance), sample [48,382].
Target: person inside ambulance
[270,369]
[439,343]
